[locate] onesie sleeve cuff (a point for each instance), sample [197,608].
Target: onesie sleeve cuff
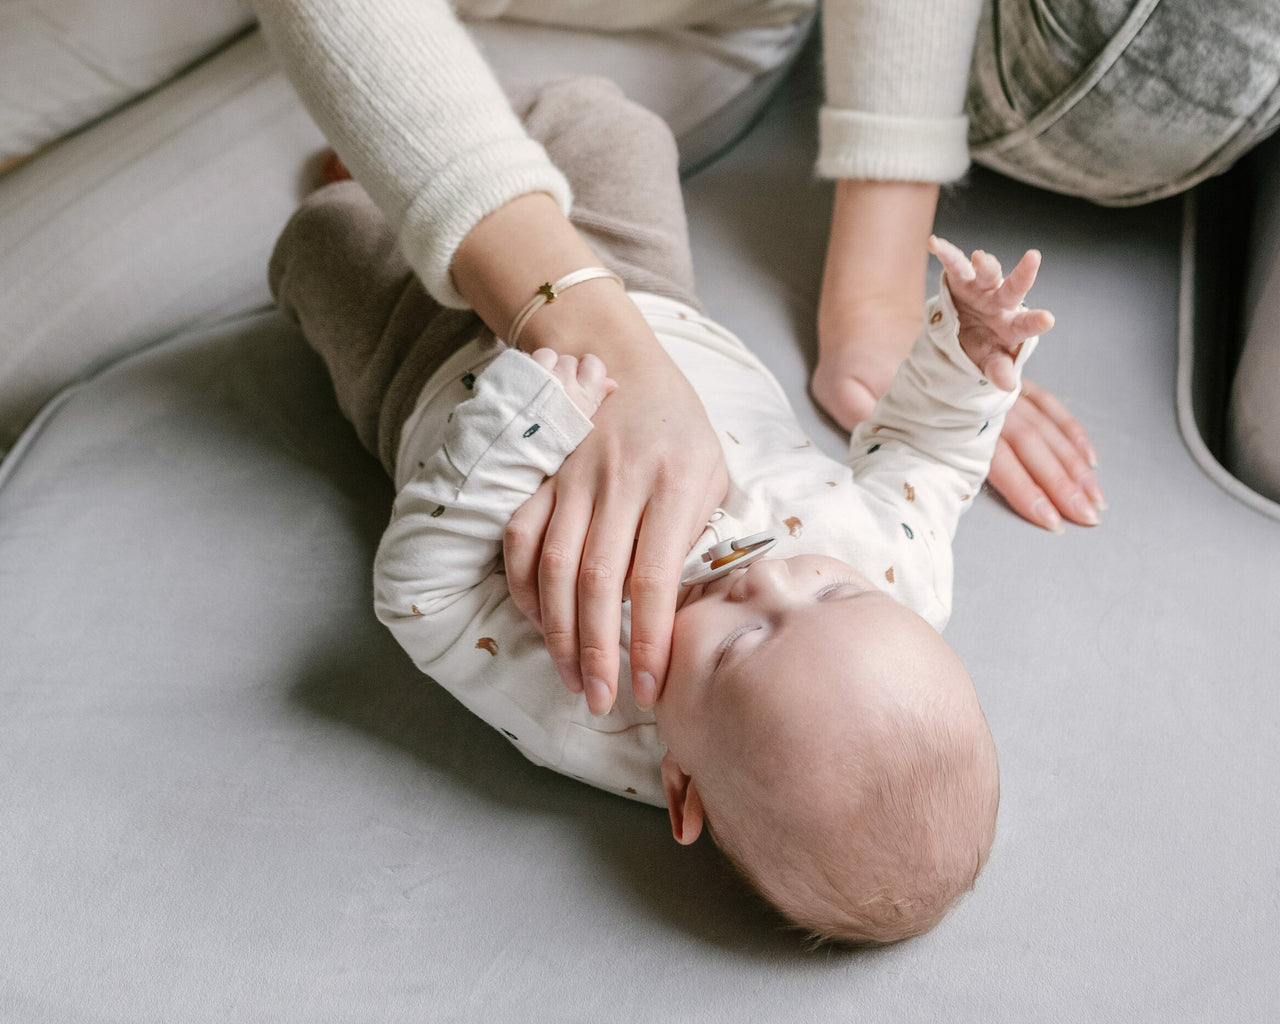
[515,399]
[879,147]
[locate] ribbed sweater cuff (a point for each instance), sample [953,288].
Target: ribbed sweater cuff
[479,182]
[853,144]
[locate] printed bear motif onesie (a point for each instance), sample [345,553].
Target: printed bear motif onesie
[468,429]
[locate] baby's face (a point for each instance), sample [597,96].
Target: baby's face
[766,642]
[798,695]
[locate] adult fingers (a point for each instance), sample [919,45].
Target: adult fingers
[557,575]
[1052,461]
[1071,428]
[606,556]
[672,522]
[1014,483]
[522,549]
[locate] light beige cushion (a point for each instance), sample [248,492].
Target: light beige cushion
[65,62]
[163,215]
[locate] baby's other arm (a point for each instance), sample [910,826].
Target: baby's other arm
[929,443]
[436,565]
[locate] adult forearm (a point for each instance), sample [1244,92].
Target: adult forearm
[505,258]
[413,109]
[877,252]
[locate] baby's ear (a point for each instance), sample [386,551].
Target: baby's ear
[683,802]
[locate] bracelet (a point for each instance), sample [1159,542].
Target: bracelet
[549,292]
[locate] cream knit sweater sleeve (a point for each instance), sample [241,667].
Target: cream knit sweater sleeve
[896,73]
[403,95]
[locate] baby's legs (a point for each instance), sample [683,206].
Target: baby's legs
[337,272]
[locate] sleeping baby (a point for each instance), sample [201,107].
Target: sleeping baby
[812,719]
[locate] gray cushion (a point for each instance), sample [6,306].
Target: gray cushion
[163,215]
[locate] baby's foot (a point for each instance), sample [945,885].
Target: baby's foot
[332,169]
[584,380]
[993,321]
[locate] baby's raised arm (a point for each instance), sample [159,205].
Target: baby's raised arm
[993,321]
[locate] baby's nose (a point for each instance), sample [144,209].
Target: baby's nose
[768,579]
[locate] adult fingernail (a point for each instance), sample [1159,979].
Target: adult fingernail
[1047,516]
[599,699]
[1082,510]
[644,688]
[1090,484]
[571,676]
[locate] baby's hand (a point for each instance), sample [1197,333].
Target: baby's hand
[993,321]
[583,380]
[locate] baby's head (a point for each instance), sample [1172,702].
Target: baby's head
[833,744]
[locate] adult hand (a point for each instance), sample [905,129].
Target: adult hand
[634,496]
[872,292]
[1044,462]
[647,478]
[868,316]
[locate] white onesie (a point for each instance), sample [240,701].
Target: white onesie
[491,424]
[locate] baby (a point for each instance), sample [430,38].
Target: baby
[812,717]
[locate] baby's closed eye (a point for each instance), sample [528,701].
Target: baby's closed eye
[727,643]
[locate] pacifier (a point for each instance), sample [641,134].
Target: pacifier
[731,554]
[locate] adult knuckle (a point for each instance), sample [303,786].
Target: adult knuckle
[645,649]
[557,561]
[596,653]
[650,578]
[561,642]
[517,535]
[597,577]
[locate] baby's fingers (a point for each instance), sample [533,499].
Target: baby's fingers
[998,368]
[952,258]
[1020,279]
[545,357]
[1030,322]
[987,273]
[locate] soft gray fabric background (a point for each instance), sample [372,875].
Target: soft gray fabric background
[227,795]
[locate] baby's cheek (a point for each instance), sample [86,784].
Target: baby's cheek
[681,667]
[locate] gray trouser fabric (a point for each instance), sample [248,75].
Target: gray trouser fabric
[337,272]
[1122,101]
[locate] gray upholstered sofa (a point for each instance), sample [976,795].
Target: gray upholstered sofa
[226,795]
